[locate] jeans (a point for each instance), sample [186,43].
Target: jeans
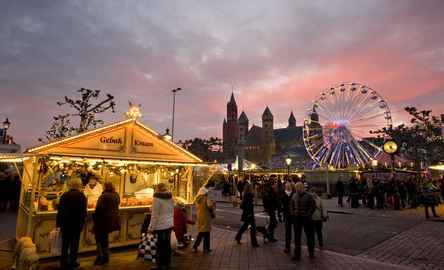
[341,200]
[307,224]
[163,247]
[102,243]
[206,240]
[318,230]
[273,223]
[426,209]
[244,227]
[288,229]
[70,248]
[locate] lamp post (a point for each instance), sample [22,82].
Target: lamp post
[288,162]
[6,125]
[174,106]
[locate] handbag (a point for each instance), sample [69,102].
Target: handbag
[55,242]
[148,247]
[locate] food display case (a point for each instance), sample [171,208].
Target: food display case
[129,154]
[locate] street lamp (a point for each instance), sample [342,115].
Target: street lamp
[374,163]
[288,162]
[174,105]
[6,125]
[167,135]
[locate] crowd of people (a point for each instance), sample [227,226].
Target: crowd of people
[165,217]
[396,193]
[10,185]
[288,202]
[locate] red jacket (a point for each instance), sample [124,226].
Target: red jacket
[180,221]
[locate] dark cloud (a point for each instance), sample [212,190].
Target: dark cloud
[280,54]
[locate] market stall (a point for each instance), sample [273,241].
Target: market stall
[127,153]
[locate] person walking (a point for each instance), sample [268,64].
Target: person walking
[340,191]
[106,220]
[302,207]
[441,187]
[354,193]
[429,198]
[319,217]
[205,212]
[161,224]
[288,218]
[247,217]
[269,202]
[71,214]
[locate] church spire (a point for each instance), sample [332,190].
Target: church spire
[291,121]
[232,100]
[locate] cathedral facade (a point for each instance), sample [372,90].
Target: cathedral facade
[260,144]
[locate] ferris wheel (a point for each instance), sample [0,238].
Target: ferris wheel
[337,128]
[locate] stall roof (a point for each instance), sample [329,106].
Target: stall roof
[128,140]
[10,158]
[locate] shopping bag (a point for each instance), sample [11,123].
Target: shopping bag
[174,244]
[147,247]
[55,242]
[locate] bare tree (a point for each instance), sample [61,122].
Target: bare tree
[86,108]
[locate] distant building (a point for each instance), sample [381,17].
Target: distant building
[7,144]
[264,144]
[442,125]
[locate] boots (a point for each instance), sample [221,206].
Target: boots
[102,258]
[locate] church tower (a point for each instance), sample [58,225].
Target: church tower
[267,126]
[243,128]
[231,129]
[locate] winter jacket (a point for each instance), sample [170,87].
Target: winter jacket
[162,212]
[320,212]
[106,216]
[71,212]
[286,200]
[180,221]
[269,198]
[204,209]
[247,206]
[302,205]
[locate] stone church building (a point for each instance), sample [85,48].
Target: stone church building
[259,144]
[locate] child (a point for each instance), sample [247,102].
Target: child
[180,225]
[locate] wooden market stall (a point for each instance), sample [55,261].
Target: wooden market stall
[127,153]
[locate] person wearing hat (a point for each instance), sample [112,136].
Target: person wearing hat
[205,212]
[162,224]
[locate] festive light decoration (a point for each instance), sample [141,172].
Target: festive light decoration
[134,111]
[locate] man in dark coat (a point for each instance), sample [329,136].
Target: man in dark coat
[71,216]
[340,191]
[247,217]
[302,208]
[288,218]
[269,201]
[106,220]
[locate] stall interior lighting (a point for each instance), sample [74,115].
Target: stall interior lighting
[120,163]
[439,167]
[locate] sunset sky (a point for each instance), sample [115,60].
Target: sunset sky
[276,53]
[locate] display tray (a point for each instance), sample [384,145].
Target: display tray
[91,210]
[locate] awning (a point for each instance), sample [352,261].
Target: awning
[12,158]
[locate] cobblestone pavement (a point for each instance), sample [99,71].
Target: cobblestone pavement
[421,247]
[227,255]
